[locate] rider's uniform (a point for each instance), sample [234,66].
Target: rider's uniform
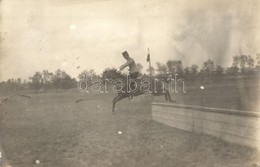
[133,70]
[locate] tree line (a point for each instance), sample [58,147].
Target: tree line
[243,65]
[44,80]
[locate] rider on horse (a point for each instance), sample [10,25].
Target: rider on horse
[133,69]
[134,74]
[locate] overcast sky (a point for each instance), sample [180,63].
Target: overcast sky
[64,34]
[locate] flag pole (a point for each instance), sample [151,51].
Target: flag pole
[150,67]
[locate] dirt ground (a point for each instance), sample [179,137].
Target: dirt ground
[52,128]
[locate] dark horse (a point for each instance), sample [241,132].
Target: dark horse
[156,87]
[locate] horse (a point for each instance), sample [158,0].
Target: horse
[155,86]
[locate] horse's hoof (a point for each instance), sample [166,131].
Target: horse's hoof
[113,112]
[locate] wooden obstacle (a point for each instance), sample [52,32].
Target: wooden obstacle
[235,126]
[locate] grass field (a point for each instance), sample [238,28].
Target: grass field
[239,94]
[52,128]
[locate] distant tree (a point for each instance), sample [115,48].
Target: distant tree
[161,68]
[232,70]
[243,60]
[218,71]
[67,82]
[57,79]
[36,81]
[111,73]
[87,73]
[48,79]
[250,65]
[194,69]
[19,81]
[250,62]
[207,68]
[152,70]
[186,71]
[244,63]
[191,72]
[62,80]
[257,62]
[47,76]
[25,84]
[139,67]
[235,61]
[175,67]
[3,87]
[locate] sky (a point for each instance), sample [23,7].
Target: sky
[74,35]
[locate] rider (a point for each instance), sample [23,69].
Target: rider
[133,70]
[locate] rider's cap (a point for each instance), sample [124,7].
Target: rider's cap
[125,53]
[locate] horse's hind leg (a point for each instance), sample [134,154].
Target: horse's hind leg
[168,96]
[116,99]
[114,102]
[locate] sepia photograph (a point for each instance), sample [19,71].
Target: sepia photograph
[129,83]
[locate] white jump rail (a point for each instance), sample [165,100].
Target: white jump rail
[235,126]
